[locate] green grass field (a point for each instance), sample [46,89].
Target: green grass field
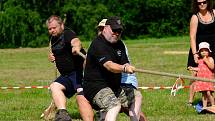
[27,67]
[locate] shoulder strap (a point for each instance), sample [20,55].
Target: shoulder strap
[198,16]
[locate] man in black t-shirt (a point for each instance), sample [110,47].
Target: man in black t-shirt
[106,60]
[65,46]
[129,84]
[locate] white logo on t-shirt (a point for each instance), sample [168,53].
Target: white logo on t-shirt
[101,59]
[119,53]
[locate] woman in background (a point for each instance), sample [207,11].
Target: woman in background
[202,28]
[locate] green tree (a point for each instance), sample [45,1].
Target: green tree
[83,17]
[20,27]
[23,22]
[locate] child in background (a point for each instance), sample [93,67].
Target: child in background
[193,71]
[204,70]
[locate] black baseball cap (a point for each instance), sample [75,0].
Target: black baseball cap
[114,22]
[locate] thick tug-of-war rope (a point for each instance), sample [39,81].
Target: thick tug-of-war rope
[173,75]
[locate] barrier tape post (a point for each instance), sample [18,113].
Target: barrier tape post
[179,83]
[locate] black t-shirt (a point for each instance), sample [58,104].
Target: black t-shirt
[96,76]
[66,62]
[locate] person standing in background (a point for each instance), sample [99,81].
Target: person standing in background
[205,69]
[202,28]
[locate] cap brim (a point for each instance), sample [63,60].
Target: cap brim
[205,48]
[116,27]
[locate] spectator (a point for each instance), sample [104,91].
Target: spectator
[205,70]
[202,28]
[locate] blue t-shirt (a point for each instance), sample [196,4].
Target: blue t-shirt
[129,78]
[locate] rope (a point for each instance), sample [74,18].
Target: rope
[173,75]
[82,55]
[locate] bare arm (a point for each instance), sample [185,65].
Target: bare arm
[76,45]
[193,31]
[117,68]
[209,61]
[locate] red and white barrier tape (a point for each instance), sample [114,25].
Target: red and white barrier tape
[160,88]
[179,83]
[27,87]
[42,87]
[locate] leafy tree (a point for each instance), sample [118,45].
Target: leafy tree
[23,22]
[83,17]
[20,27]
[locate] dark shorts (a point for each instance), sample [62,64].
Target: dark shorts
[69,82]
[131,92]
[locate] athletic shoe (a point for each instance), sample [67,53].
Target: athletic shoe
[62,115]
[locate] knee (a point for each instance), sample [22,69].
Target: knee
[139,96]
[118,106]
[55,86]
[52,86]
[81,99]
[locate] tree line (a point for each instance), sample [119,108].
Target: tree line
[22,22]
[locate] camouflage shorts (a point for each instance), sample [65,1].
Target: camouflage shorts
[107,99]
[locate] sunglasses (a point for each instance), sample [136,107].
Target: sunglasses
[204,2]
[117,31]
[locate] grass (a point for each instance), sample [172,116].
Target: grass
[28,66]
